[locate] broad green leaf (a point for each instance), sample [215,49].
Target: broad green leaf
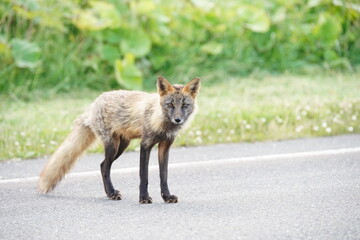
[330,55]
[110,52]
[328,28]
[157,61]
[255,18]
[279,15]
[101,15]
[212,48]
[127,73]
[213,21]
[38,11]
[159,33]
[26,54]
[135,41]
[129,58]
[112,36]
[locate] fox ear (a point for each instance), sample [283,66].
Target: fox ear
[192,87]
[163,86]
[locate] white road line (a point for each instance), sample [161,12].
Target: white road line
[205,163]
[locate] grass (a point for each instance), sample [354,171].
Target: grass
[235,110]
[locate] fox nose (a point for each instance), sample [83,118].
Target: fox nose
[177,120]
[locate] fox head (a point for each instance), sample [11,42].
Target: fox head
[178,101]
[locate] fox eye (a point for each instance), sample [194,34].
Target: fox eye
[170,105]
[185,105]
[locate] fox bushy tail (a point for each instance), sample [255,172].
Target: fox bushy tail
[65,156]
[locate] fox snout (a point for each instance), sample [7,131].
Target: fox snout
[177,120]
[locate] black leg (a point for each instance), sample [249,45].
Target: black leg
[144,174]
[124,143]
[111,154]
[164,147]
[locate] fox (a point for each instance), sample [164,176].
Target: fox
[119,116]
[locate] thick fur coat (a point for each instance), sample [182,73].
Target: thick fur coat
[116,118]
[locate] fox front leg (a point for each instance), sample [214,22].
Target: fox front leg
[163,148]
[144,174]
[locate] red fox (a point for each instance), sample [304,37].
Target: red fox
[117,117]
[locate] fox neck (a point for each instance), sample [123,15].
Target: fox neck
[158,123]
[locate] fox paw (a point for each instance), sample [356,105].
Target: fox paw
[145,200]
[115,195]
[170,199]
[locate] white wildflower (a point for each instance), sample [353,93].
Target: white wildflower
[350,129]
[354,117]
[299,128]
[316,128]
[336,119]
[219,131]
[324,124]
[328,130]
[248,126]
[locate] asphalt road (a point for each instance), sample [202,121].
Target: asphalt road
[298,189]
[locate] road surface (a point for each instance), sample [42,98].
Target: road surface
[297,189]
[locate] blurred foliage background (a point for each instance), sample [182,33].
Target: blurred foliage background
[271,69]
[62,45]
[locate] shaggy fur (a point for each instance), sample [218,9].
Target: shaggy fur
[116,118]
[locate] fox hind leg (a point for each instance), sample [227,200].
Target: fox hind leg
[113,150]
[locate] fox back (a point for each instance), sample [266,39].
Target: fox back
[135,114]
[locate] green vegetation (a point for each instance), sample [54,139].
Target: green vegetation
[271,69]
[250,109]
[62,45]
